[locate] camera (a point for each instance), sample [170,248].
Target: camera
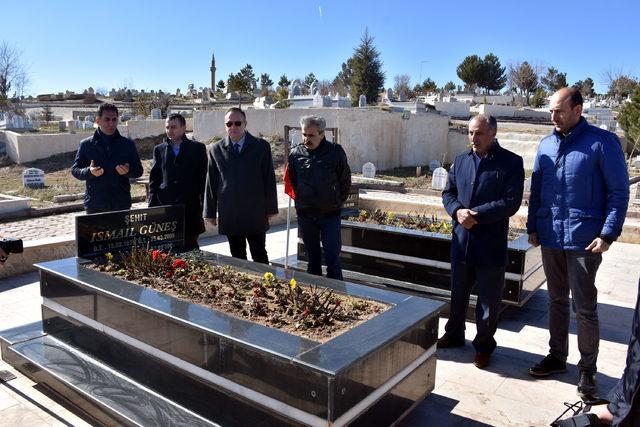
[10,245]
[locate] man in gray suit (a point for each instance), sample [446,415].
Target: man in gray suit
[241,188]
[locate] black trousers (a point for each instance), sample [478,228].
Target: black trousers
[489,284]
[257,246]
[191,242]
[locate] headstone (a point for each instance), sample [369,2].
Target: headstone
[369,170]
[125,117]
[296,137]
[362,101]
[314,88]
[439,179]
[33,178]
[527,185]
[1,116]
[72,126]
[89,119]
[433,165]
[296,89]
[344,102]
[390,94]
[17,122]
[62,126]
[128,97]
[115,232]
[156,113]
[317,101]
[205,95]
[139,117]
[401,96]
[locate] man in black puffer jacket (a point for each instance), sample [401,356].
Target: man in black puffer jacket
[321,178]
[106,161]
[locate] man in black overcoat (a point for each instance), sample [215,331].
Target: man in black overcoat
[178,177]
[241,188]
[484,189]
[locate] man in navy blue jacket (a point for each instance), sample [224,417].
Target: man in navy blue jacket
[106,161]
[578,203]
[483,190]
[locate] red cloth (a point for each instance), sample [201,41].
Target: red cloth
[288,188]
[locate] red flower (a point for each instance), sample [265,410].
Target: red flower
[179,263]
[154,254]
[169,274]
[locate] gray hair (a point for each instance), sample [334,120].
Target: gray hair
[488,119]
[315,121]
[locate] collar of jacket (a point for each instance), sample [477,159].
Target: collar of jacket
[168,141]
[96,136]
[247,140]
[575,132]
[492,151]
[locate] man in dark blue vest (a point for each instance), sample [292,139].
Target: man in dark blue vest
[484,189]
[178,176]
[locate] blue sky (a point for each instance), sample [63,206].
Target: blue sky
[168,44]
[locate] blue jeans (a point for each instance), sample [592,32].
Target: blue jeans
[317,228]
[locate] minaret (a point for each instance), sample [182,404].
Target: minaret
[213,73]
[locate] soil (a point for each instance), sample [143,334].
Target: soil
[406,175]
[303,310]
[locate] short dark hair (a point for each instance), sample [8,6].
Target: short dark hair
[178,117]
[236,110]
[107,107]
[575,97]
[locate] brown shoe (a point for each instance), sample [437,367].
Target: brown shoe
[482,360]
[446,342]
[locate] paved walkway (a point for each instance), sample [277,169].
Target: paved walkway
[501,395]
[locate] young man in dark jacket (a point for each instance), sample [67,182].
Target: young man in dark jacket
[483,190]
[106,161]
[178,177]
[321,178]
[241,188]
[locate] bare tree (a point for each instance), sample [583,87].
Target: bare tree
[13,73]
[401,83]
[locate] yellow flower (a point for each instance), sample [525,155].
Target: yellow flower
[293,283]
[109,256]
[268,276]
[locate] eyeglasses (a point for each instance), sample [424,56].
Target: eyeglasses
[236,124]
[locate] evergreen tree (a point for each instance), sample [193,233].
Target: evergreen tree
[470,71]
[342,82]
[449,87]
[629,119]
[493,75]
[284,81]
[523,77]
[554,80]
[309,79]
[220,86]
[265,81]
[367,76]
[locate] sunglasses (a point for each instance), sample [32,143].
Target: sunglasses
[236,124]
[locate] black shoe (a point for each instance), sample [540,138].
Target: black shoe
[482,360]
[446,342]
[549,365]
[587,389]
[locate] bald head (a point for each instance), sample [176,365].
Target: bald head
[566,109]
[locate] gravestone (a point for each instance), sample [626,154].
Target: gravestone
[72,126]
[1,116]
[295,136]
[62,126]
[527,185]
[369,170]
[344,102]
[159,228]
[317,101]
[128,96]
[401,96]
[433,165]
[296,89]
[33,178]
[89,119]
[362,101]
[314,88]
[17,122]
[205,95]
[156,113]
[439,179]
[390,94]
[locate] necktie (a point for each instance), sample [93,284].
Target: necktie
[236,147]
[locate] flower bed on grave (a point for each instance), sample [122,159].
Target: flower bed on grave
[305,310]
[414,252]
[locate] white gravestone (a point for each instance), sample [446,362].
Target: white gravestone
[295,136]
[33,178]
[527,185]
[362,101]
[62,126]
[439,179]
[369,170]
[156,114]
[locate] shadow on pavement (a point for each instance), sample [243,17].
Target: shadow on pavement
[435,410]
